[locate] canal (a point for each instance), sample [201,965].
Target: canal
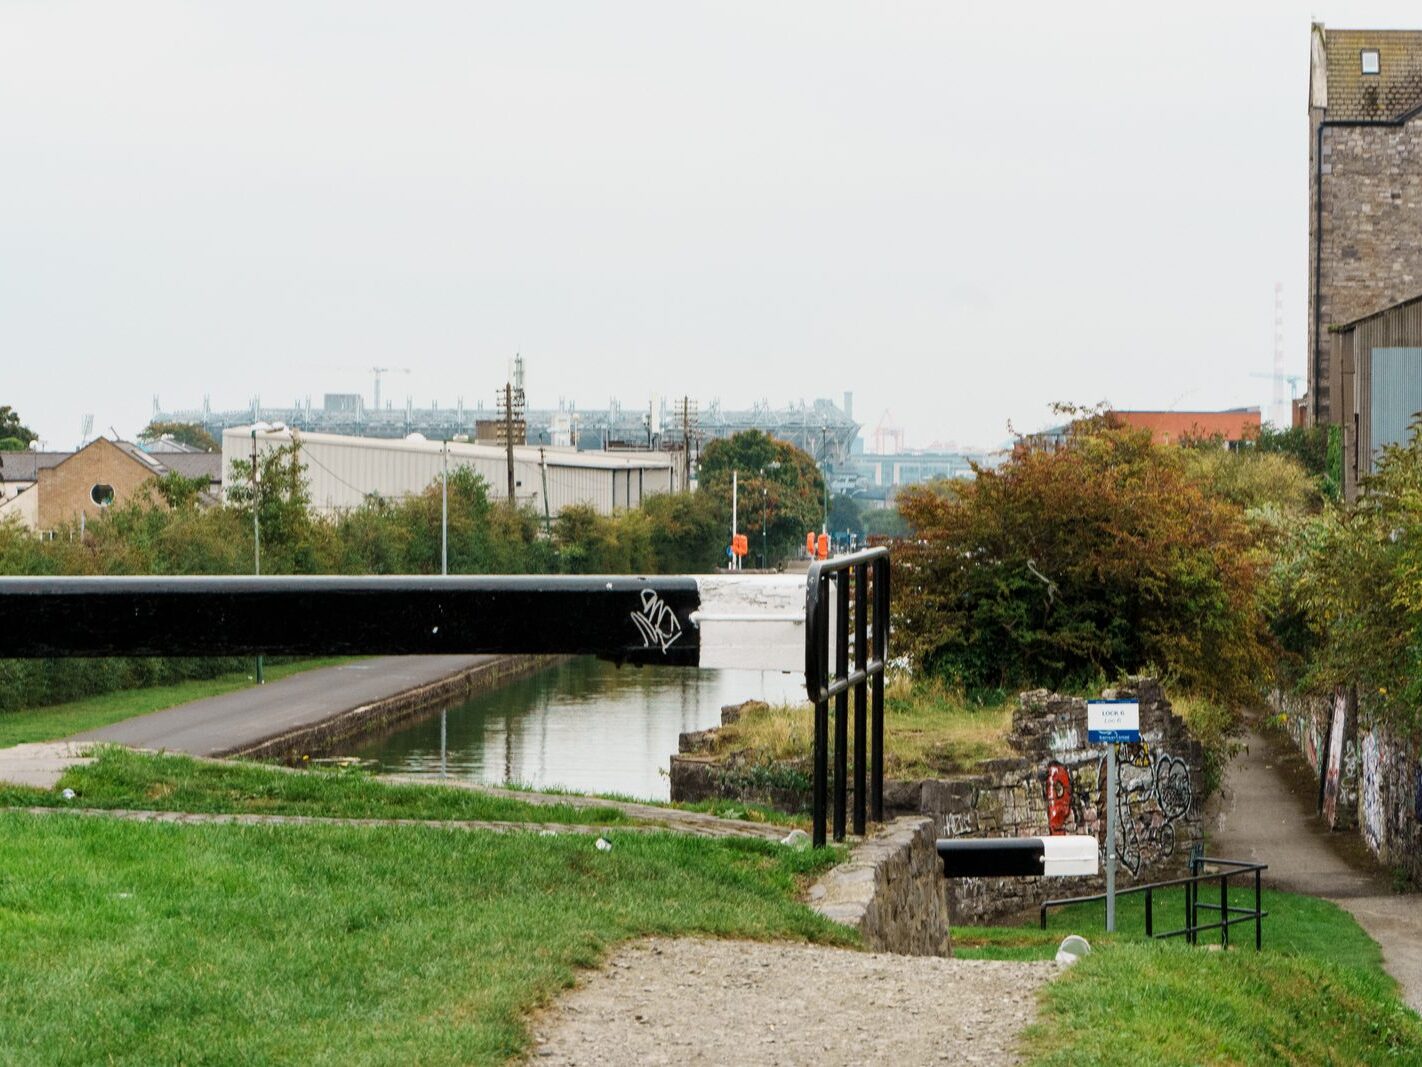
[584,725]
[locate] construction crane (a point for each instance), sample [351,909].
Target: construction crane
[888,437]
[1292,379]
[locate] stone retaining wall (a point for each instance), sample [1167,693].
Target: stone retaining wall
[359,722]
[1055,784]
[1369,777]
[891,890]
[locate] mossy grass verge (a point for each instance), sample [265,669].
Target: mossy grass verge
[721,807]
[63,720]
[930,731]
[139,943]
[1316,994]
[123,778]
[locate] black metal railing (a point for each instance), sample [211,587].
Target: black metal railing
[1230,915]
[859,586]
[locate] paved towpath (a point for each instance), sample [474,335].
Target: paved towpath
[235,721]
[1268,813]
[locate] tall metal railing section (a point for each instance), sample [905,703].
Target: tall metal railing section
[859,586]
[713,621]
[1229,914]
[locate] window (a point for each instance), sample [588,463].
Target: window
[1371,64]
[102,494]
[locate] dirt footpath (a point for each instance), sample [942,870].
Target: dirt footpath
[1268,813]
[719,1002]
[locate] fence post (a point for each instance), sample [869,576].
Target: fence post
[819,792]
[881,652]
[841,702]
[1224,908]
[861,663]
[1258,913]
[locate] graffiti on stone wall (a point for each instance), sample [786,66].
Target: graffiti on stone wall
[1332,782]
[1063,803]
[1371,807]
[1154,791]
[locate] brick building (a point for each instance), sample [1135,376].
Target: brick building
[1365,188]
[46,490]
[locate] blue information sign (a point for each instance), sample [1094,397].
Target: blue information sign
[1113,721]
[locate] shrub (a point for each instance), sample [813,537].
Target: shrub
[1066,565]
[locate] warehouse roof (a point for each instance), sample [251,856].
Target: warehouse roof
[554,457]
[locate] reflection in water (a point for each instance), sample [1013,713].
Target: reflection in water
[584,725]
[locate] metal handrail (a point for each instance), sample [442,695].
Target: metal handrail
[1193,906]
[860,575]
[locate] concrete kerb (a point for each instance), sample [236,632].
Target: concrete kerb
[42,764]
[390,710]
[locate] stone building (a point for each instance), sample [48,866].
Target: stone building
[1365,188]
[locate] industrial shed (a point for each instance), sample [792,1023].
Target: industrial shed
[343,471]
[1377,371]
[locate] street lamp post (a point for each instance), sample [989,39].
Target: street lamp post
[444,514]
[773,465]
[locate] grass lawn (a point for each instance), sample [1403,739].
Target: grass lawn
[928,730]
[1316,994]
[61,720]
[123,778]
[133,943]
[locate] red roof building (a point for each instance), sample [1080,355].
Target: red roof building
[1169,427]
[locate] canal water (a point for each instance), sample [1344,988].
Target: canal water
[584,725]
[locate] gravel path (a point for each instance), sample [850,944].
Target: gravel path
[719,1002]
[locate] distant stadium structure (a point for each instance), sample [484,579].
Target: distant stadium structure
[823,429]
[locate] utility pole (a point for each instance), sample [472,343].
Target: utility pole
[688,417]
[444,514]
[256,537]
[824,471]
[508,438]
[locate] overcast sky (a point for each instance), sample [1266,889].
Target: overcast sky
[961,211]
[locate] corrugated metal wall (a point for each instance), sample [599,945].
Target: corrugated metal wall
[342,474]
[1379,365]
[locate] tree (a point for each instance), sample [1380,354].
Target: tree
[15,436]
[777,481]
[282,499]
[1066,565]
[185,433]
[846,515]
[885,522]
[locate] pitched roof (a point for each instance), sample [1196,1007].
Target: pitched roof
[195,464]
[1394,91]
[25,466]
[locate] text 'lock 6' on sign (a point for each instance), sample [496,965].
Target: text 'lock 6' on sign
[1113,721]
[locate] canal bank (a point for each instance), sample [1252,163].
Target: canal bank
[317,710]
[583,725]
